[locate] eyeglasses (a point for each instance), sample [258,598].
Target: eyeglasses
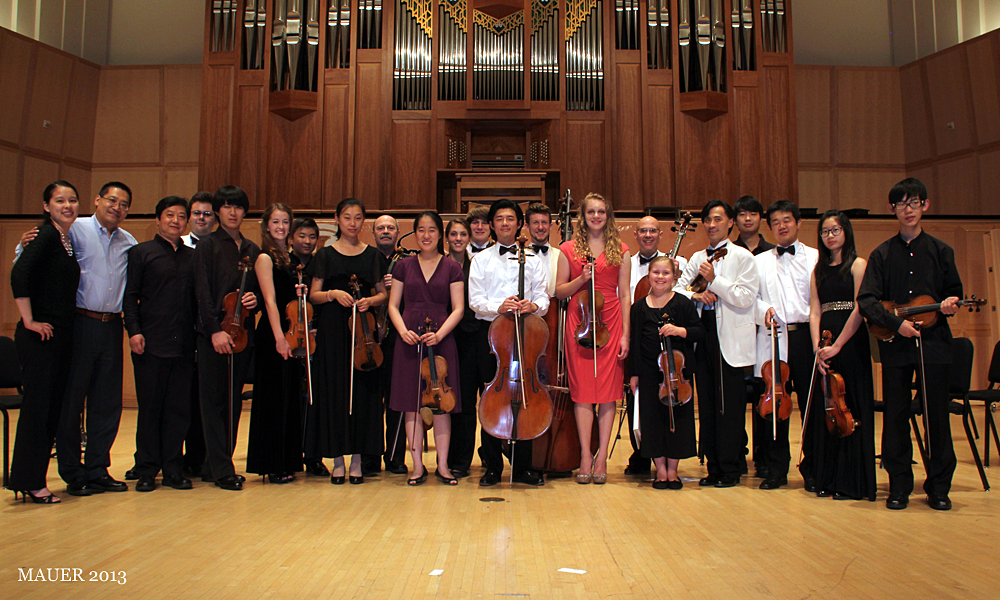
[122,203]
[201,213]
[913,203]
[832,232]
[649,231]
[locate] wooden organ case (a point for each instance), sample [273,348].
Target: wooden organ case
[404,103]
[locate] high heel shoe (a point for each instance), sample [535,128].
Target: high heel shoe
[415,481]
[599,479]
[50,499]
[356,480]
[337,479]
[585,478]
[445,480]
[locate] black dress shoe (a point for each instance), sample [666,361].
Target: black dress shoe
[773,483]
[337,479]
[489,479]
[230,482]
[106,483]
[839,496]
[317,468]
[459,473]
[178,482]
[897,501]
[727,481]
[357,480]
[81,489]
[939,502]
[371,471]
[146,483]
[810,484]
[823,493]
[396,468]
[529,478]
[661,485]
[675,484]
[131,475]
[709,481]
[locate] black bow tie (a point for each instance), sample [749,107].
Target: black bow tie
[476,249]
[790,250]
[543,248]
[643,260]
[506,249]
[711,251]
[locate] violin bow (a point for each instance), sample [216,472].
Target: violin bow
[805,416]
[593,310]
[305,322]
[666,376]
[775,370]
[354,325]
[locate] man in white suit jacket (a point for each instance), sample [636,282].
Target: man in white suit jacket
[727,310]
[785,273]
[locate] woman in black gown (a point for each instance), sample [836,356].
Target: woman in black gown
[337,424]
[684,328]
[845,467]
[275,446]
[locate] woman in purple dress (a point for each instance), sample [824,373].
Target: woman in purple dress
[428,287]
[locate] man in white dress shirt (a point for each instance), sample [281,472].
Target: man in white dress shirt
[479,230]
[785,273]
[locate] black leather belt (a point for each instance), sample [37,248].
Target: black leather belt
[102,317]
[794,326]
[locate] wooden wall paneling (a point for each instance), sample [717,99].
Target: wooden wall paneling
[81,114]
[927,174]
[816,190]
[583,172]
[919,135]
[214,154]
[294,163]
[658,125]
[989,183]
[17,65]
[866,188]
[249,137]
[370,169]
[128,116]
[336,166]
[812,113]
[949,87]
[778,134]
[869,123]
[957,192]
[146,184]
[10,169]
[413,181]
[703,161]
[626,138]
[38,172]
[746,113]
[180,181]
[80,177]
[984,77]
[49,98]
[181,113]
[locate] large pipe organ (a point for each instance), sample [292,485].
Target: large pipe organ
[406,104]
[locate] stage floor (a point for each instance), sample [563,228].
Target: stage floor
[386,540]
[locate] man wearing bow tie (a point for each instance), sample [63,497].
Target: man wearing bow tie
[785,273]
[539,226]
[479,230]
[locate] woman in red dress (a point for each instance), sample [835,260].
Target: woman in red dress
[596,235]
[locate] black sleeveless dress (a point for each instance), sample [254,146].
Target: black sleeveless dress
[847,465]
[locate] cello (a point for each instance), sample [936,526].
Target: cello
[682,227]
[515,406]
[776,398]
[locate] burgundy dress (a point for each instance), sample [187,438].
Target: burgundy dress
[423,299]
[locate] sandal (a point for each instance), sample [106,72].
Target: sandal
[415,481]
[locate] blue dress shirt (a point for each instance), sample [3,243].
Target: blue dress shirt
[103,262]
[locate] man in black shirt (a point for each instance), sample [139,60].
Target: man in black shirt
[905,266]
[159,317]
[217,273]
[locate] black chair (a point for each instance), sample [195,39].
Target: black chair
[10,377]
[959,382]
[990,397]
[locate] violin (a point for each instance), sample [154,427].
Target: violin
[591,333]
[777,394]
[366,354]
[232,306]
[682,227]
[301,339]
[437,397]
[839,420]
[921,309]
[515,405]
[700,284]
[675,390]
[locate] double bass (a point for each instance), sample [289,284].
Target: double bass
[776,399]
[682,227]
[515,406]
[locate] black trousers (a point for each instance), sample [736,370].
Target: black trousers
[897,446]
[194,441]
[395,436]
[474,364]
[162,390]
[213,390]
[636,462]
[95,380]
[722,405]
[776,452]
[44,375]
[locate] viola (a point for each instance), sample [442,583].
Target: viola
[591,332]
[675,390]
[367,354]
[700,284]
[437,397]
[515,405]
[921,309]
[777,393]
[232,307]
[682,227]
[839,420]
[301,339]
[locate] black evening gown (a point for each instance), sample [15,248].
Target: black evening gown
[847,465]
[275,444]
[654,417]
[332,429]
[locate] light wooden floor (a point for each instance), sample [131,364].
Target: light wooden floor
[383,539]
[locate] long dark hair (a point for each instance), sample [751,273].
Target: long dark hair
[47,195]
[344,205]
[433,216]
[267,242]
[847,254]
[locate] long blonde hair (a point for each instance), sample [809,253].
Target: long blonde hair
[612,242]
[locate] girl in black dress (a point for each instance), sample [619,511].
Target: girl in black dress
[336,424]
[845,468]
[44,281]
[275,446]
[684,328]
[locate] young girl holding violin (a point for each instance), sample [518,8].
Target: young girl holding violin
[427,285]
[596,238]
[845,467]
[275,446]
[664,438]
[344,420]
